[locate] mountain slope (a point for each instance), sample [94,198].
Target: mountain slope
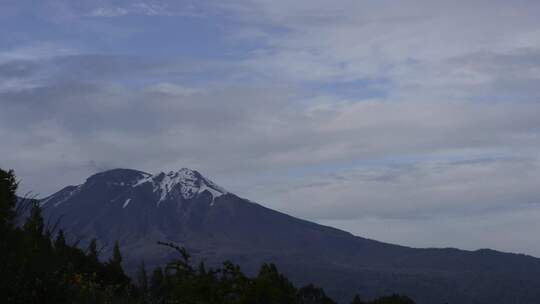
[139,209]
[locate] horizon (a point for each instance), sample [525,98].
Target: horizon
[413,124]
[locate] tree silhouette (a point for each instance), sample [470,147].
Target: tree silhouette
[310,294]
[8,198]
[92,250]
[60,241]
[116,256]
[142,277]
[357,300]
[34,224]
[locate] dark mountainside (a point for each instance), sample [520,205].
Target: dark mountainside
[139,209]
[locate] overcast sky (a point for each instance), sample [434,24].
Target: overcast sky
[412,122]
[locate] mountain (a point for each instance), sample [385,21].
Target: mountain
[184,207]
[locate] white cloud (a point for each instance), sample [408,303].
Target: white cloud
[413,45]
[109,12]
[36,51]
[173,89]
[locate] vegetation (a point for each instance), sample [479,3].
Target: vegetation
[38,265]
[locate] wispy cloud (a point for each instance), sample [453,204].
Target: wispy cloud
[109,12]
[150,8]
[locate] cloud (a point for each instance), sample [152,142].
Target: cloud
[145,8]
[247,129]
[422,189]
[357,114]
[424,49]
[172,89]
[149,8]
[109,12]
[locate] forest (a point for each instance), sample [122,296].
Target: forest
[38,264]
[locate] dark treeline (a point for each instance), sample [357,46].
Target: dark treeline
[38,265]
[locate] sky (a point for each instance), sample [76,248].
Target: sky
[412,122]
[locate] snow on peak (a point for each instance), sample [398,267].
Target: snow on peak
[61,196]
[185,182]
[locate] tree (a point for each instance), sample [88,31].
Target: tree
[115,274]
[142,277]
[157,284]
[37,241]
[60,242]
[117,256]
[311,294]
[182,265]
[92,250]
[357,300]
[393,299]
[34,224]
[271,287]
[8,198]
[10,240]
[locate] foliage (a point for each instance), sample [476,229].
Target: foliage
[8,199]
[36,269]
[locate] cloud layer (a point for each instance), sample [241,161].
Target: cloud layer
[413,124]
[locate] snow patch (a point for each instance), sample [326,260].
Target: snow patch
[185,182]
[61,197]
[126,203]
[46,200]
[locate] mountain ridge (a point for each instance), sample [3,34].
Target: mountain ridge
[228,227]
